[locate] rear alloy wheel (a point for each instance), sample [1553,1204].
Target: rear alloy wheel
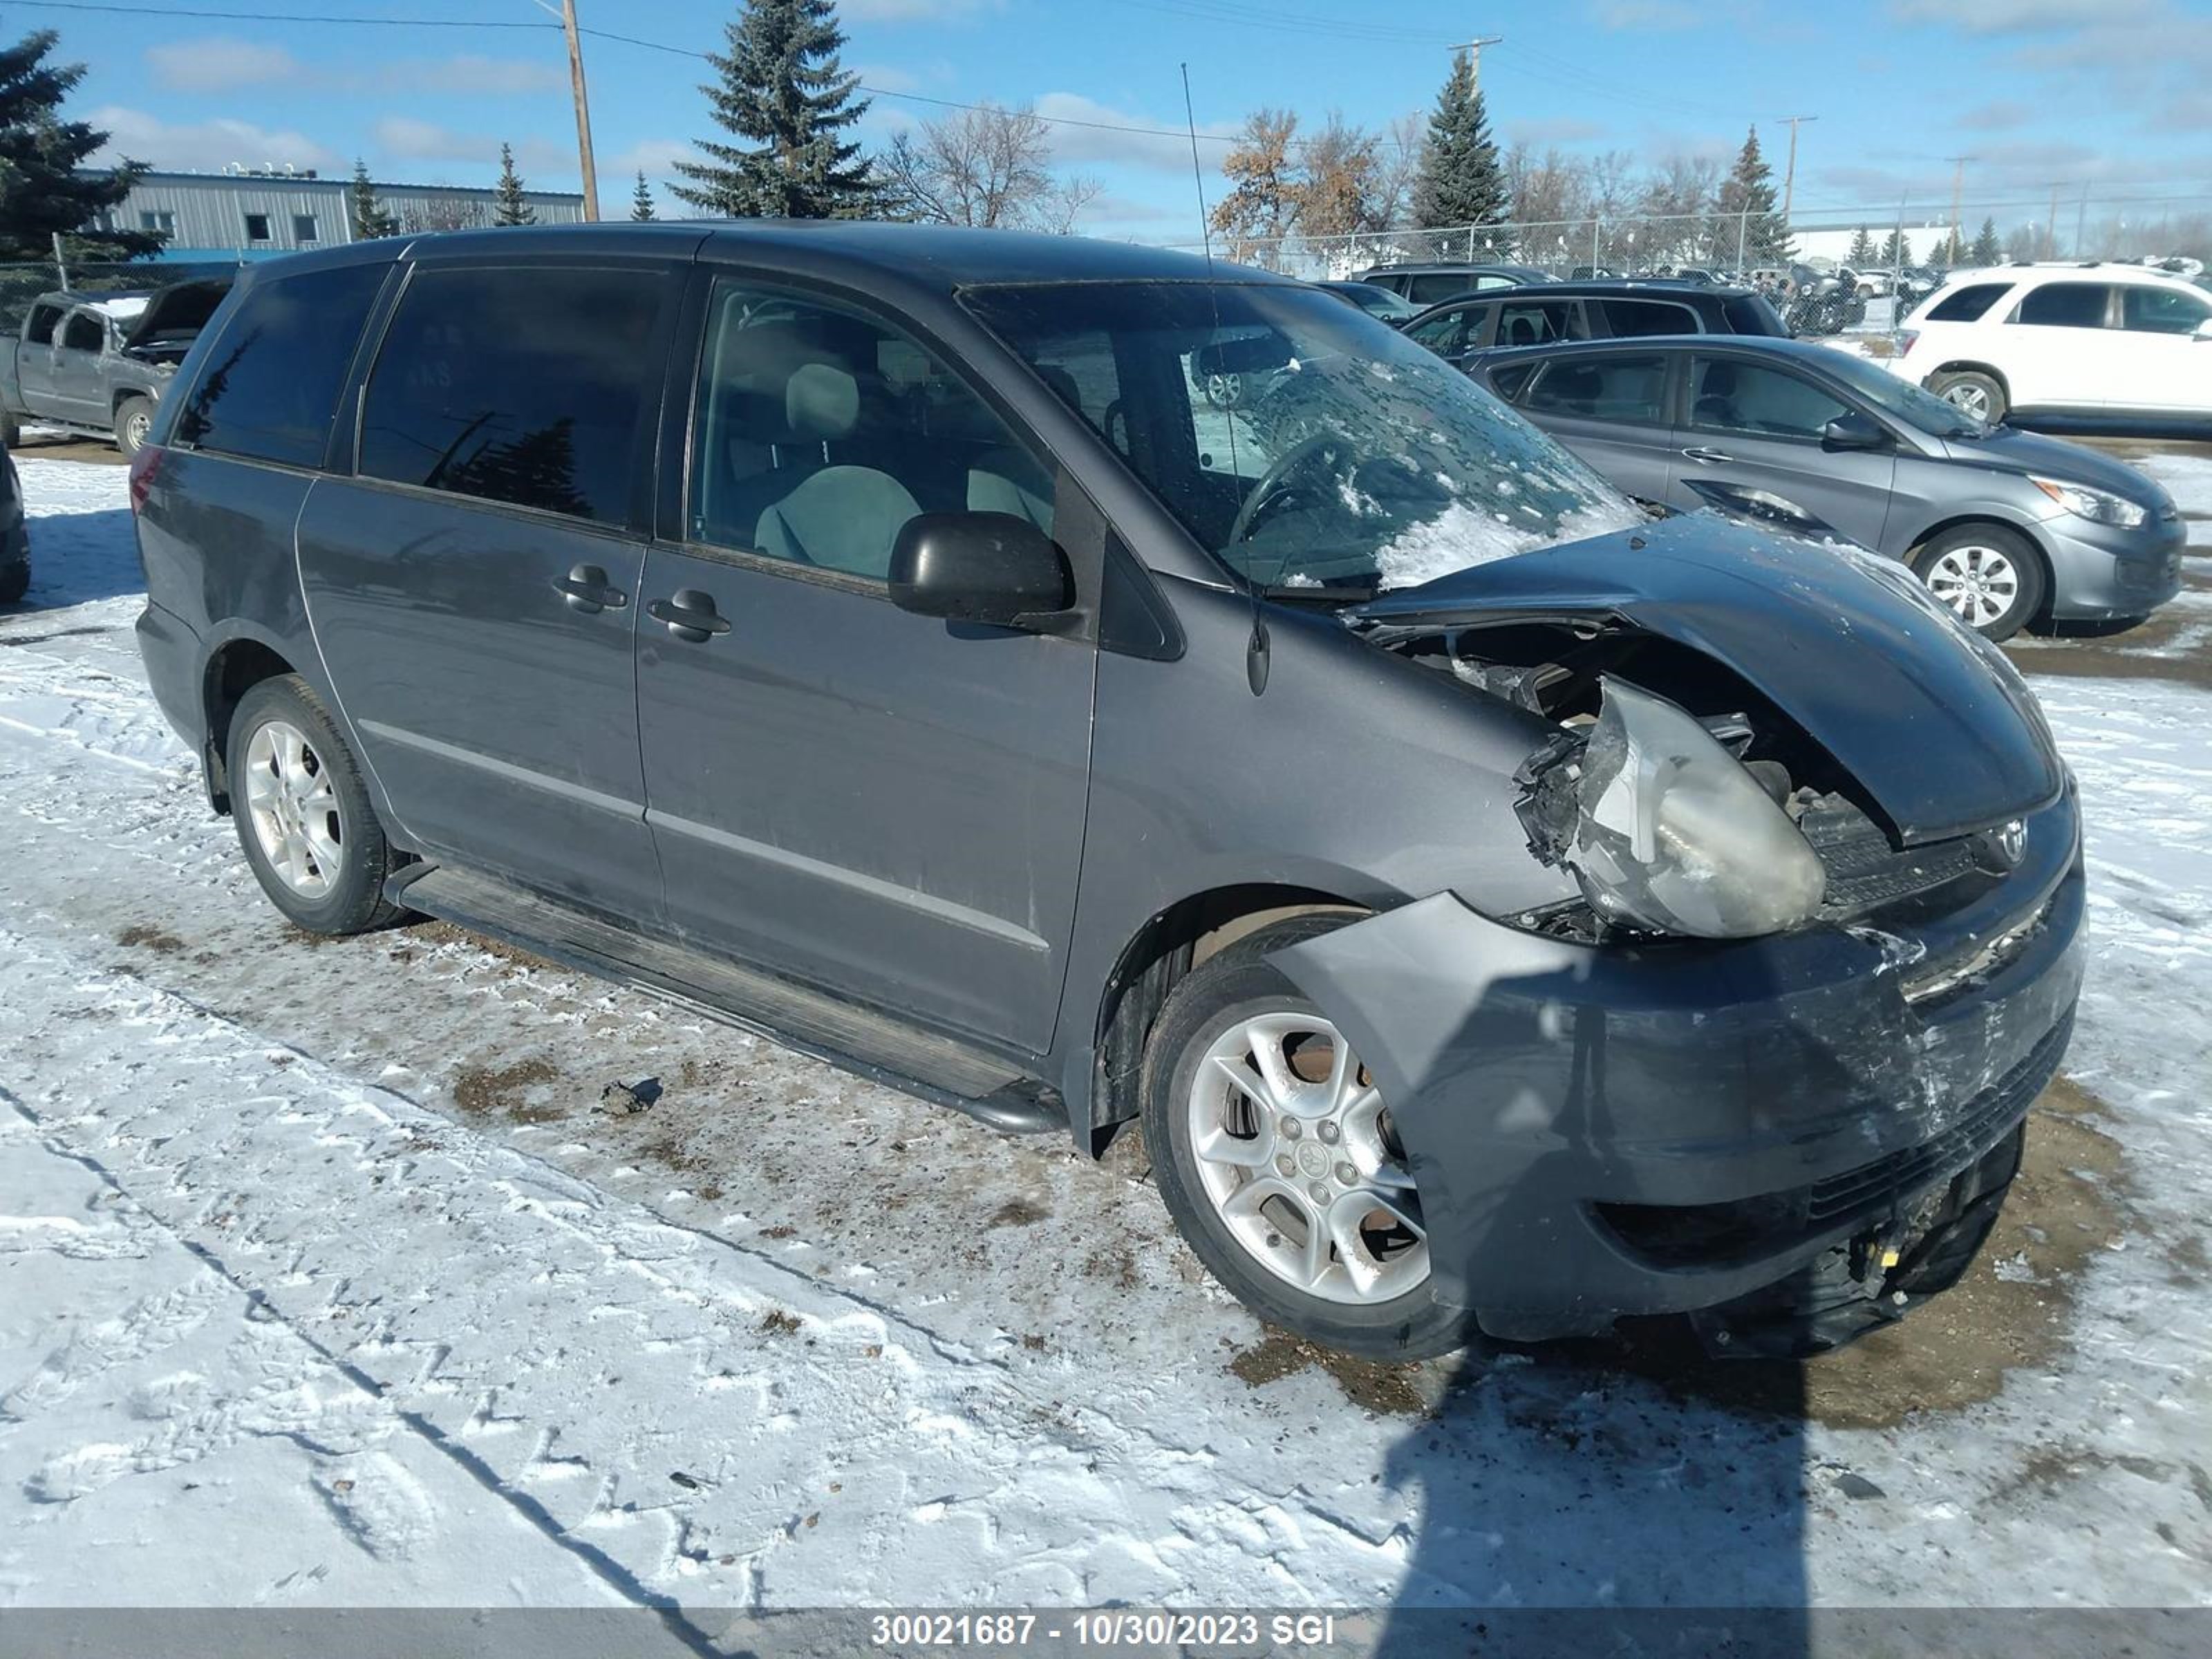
[1274,1152]
[303,812]
[1972,392]
[1987,574]
[134,420]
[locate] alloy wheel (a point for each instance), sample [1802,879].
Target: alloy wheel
[1979,582]
[293,809]
[1295,1150]
[1968,399]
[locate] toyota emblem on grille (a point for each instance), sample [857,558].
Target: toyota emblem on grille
[2001,848]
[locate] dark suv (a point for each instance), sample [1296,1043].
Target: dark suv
[1427,283]
[1499,909]
[1461,331]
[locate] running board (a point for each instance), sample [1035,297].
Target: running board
[884,1049]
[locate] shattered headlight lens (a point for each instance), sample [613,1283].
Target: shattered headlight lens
[2097,506]
[1672,833]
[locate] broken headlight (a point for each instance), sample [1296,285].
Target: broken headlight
[1672,833]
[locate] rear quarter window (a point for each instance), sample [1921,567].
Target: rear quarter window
[1750,313]
[1627,318]
[1509,380]
[268,390]
[1969,304]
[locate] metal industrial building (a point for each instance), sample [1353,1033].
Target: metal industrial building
[255,212]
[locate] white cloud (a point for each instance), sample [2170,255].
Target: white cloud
[406,138]
[2019,16]
[469,73]
[656,158]
[204,146]
[913,11]
[1651,14]
[220,65]
[1168,151]
[2000,115]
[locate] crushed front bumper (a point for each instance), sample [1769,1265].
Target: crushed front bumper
[1688,1127]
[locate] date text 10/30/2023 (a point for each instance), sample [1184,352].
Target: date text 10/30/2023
[1108,1627]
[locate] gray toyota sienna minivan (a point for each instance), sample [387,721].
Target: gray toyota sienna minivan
[1503,912]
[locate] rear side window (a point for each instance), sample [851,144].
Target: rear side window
[2065,305]
[40,330]
[83,332]
[1750,313]
[1432,286]
[1529,322]
[1628,389]
[1627,318]
[1968,304]
[270,388]
[2162,310]
[526,384]
[1448,332]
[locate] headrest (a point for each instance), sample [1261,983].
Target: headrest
[1062,384]
[820,402]
[1719,381]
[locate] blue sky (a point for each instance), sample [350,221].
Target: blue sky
[2112,92]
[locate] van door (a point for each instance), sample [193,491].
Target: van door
[474,587]
[884,803]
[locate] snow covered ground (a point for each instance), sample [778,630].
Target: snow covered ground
[325,1280]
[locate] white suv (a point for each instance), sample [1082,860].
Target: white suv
[2085,339]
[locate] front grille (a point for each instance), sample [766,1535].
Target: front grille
[1712,1235]
[1865,873]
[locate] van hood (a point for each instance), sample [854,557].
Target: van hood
[1938,728]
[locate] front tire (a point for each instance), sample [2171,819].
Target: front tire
[1989,575]
[1274,1152]
[134,420]
[303,812]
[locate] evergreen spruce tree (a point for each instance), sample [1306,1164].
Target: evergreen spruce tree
[370,220]
[1460,182]
[41,192]
[1987,249]
[1747,202]
[641,200]
[508,207]
[1862,251]
[1896,250]
[783,89]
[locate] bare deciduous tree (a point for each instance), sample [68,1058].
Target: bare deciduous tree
[1340,192]
[989,167]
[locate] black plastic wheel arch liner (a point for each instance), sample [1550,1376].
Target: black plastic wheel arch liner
[1531,1080]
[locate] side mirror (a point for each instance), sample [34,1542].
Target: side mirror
[1853,431]
[990,568]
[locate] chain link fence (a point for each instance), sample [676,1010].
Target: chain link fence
[22,282]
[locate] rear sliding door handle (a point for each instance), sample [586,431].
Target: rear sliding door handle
[689,615]
[1708,457]
[587,589]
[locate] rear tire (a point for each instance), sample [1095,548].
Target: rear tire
[1990,577]
[303,812]
[134,419]
[14,582]
[1970,392]
[1375,1297]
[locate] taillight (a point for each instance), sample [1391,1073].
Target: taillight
[1906,336]
[145,467]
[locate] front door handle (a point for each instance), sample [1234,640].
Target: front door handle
[587,589]
[1708,457]
[689,615]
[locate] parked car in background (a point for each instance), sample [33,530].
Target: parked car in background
[2102,341]
[867,633]
[1375,300]
[15,537]
[1427,283]
[2005,527]
[1461,331]
[98,363]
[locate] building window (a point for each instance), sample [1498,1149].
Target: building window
[162,221]
[303,228]
[257,227]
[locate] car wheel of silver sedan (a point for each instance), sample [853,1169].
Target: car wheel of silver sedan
[1986,574]
[1275,1151]
[304,816]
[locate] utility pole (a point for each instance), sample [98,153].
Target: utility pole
[2081,222]
[1473,51]
[1958,186]
[583,110]
[1790,174]
[2050,228]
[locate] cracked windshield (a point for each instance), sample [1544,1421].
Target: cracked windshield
[1303,444]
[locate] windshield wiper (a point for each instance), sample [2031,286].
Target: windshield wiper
[1330,593]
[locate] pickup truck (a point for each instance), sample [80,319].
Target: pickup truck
[96,364]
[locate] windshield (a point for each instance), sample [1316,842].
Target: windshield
[1301,442]
[1900,399]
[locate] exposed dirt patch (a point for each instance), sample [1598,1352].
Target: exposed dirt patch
[444,932]
[146,937]
[2010,1310]
[1391,1390]
[2053,1468]
[483,1090]
[298,935]
[776,1322]
[1017,1213]
[778,1232]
